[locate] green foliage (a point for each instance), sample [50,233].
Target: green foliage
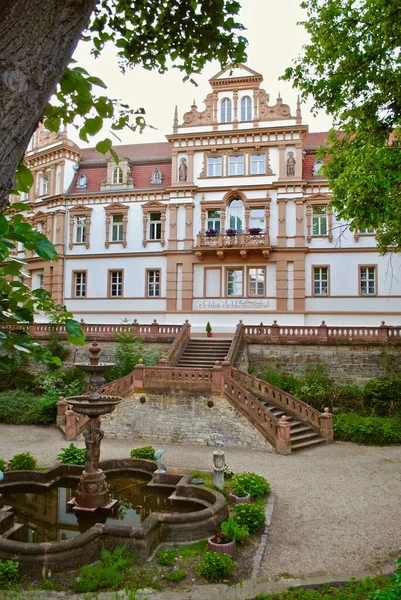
[57,348]
[63,382]
[129,351]
[167,557]
[228,471]
[351,67]
[393,591]
[176,576]
[372,431]
[21,408]
[9,572]
[147,452]
[383,396]
[208,327]
[232,531]
[22,462]
[316,386]
[72,455]
[108,573]
[281,380]
[216,566]
[249,515]
[255,485]
[3,465]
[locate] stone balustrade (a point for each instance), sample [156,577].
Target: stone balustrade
[179,344]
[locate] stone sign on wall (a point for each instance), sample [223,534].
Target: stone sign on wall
[237,304]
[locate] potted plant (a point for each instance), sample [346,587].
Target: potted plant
[208,329]
[255,230]
[238,495]
[225,540]
[231,231]
[211,232]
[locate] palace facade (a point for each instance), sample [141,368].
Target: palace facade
[226,220]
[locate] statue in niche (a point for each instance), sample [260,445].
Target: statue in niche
[291,165]
[182,171]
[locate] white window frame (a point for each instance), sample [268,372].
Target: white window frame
[226,110]
[235,283]
[320,222]
[214,222]
[80,234]
[80,284]
[116,284]
[320,281]
[44,185]
[117,228]
[236,164]
[153,283]
[258,164]
[214,166]
[246,109]
[367,280]
[257,286]
[155,227]
[257,221]
[117,175]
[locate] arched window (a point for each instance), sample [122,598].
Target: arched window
[226,111]
[246,108]
[117,175]
[236,215]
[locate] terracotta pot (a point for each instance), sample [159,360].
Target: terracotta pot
[209,334]
[227,548]
[233,499]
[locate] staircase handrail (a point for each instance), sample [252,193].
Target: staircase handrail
[298,408]
[179,343]
[252,408]
[235,344]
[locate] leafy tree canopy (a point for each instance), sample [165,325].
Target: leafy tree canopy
[352,69]
[41,82]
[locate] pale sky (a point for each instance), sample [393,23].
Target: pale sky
[274,40]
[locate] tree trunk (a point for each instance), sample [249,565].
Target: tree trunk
[37,40]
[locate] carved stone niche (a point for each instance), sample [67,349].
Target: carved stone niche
[118,176]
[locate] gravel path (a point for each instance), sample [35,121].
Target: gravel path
[338,507]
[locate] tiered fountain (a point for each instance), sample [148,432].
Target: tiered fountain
[93,492]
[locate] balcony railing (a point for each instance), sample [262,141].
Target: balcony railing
[241,241]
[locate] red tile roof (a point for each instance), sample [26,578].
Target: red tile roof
[314,140]
[135,152]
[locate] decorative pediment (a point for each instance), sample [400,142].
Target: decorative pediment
[116,207]
[153,205]
[196,117]
[235,75]
[318,198]
[80,210]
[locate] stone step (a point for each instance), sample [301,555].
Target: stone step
[303,436]
[305,445]
[6,520]
[13,531]
[298,427]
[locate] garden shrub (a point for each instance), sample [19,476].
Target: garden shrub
[3,465]
[62,382]
[167,557]
[19,408]
[176,576]
[383,396]
[9,572]
[147,452]
[347,397]
[72,455]
[255,485]
[232,531]
[22,462]
[372,431]
[281,380]
[216,566]
[108,573]
[251,516]
[129,351]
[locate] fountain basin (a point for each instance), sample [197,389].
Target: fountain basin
[208,507]
[93,406]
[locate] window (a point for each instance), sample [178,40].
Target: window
[153,284]
[225,111]
[117,175]
[40,226]
[367,284]
[80,284]
[236,215]
[257,218]
[155,226]
[258,164]
[368,230]
[236,164]
[234,282]
[44,186]
[319,220]
[213,220]
[80,230]
[214,166]
[117,228]
[246,109]
[37,279]
[320,281]
[316,168]
[116,284]
[256,282]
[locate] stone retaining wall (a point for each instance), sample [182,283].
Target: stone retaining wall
[355,364]
[180,417]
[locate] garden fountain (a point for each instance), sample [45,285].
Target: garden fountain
[93,492]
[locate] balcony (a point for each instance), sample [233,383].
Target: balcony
[241,243]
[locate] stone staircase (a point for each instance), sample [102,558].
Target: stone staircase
[302,436]
[8,528]
[203,352]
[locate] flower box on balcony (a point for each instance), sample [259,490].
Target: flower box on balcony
[211,232]
[255,230]
[231,231]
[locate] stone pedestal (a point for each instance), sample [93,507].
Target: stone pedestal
[92,491]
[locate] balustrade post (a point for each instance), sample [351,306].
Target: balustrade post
[226,372]
[139,383]
[217,379]
[61,410]
[275,332]
[323,334]
[283,443]
[383,333]
[135,327]
[326,426]
[70,425]
[154,328]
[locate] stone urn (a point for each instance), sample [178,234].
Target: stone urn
[234,499]
[222,547]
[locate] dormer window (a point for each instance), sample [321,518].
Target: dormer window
[157,177]
[117,175]
[226,110]
[246,109]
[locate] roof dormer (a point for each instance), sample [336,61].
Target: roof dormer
[118,176]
